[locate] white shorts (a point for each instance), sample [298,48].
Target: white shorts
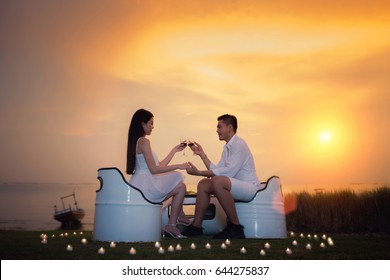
[242,190]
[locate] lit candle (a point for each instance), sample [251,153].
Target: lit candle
[292,233]
[322,245]
[101,251]
[53,236]
[330,241]
[324,236]
[223,246]
[288,251]
[207,246]
[81,233]
[309,236]
[178,247]
[315,236]
[295,243]
[302,235]
[193,246]
[171,249]
[243,250]
[84,241]
[308,246]
[161,250]
[69,248]
[132,251]
[66,234]
[227,242]
[157,244]
[74,233]
[112,244]
[267,245]
[44,241]
[262,252]
[62,235]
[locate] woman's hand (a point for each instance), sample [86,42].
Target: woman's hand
[183,166]
[178,148]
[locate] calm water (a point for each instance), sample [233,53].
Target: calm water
[31,206]
[27,206]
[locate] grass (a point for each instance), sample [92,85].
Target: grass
[26,245]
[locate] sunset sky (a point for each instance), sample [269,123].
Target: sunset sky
[309,82]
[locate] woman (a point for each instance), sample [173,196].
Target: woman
[157,180]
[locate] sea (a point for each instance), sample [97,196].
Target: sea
[30,206]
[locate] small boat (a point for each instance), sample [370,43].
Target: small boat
[70,216]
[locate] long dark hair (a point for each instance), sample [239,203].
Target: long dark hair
[135,132]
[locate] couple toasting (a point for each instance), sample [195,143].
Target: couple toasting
[233,178]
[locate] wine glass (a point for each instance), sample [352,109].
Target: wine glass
[184,142]
[190,142]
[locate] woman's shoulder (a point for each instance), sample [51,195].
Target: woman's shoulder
[143,142]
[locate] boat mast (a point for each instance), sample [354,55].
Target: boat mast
[66,196]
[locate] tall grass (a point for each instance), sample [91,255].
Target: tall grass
[341,212]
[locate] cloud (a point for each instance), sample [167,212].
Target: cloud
[72,74]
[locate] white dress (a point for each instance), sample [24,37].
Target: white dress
[154,187]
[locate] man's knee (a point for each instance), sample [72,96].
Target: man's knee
[220,183]
[204,185]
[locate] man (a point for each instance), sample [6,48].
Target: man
[233,178]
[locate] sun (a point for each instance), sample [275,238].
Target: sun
[326,136]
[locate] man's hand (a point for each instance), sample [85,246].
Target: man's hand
[197,149]
[192,170]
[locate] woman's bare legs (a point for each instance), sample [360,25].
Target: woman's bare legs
[177,195]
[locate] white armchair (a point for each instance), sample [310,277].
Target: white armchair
[122,213]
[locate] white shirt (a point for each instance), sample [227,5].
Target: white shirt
[236,162]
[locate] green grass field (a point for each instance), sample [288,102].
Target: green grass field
[27,245]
